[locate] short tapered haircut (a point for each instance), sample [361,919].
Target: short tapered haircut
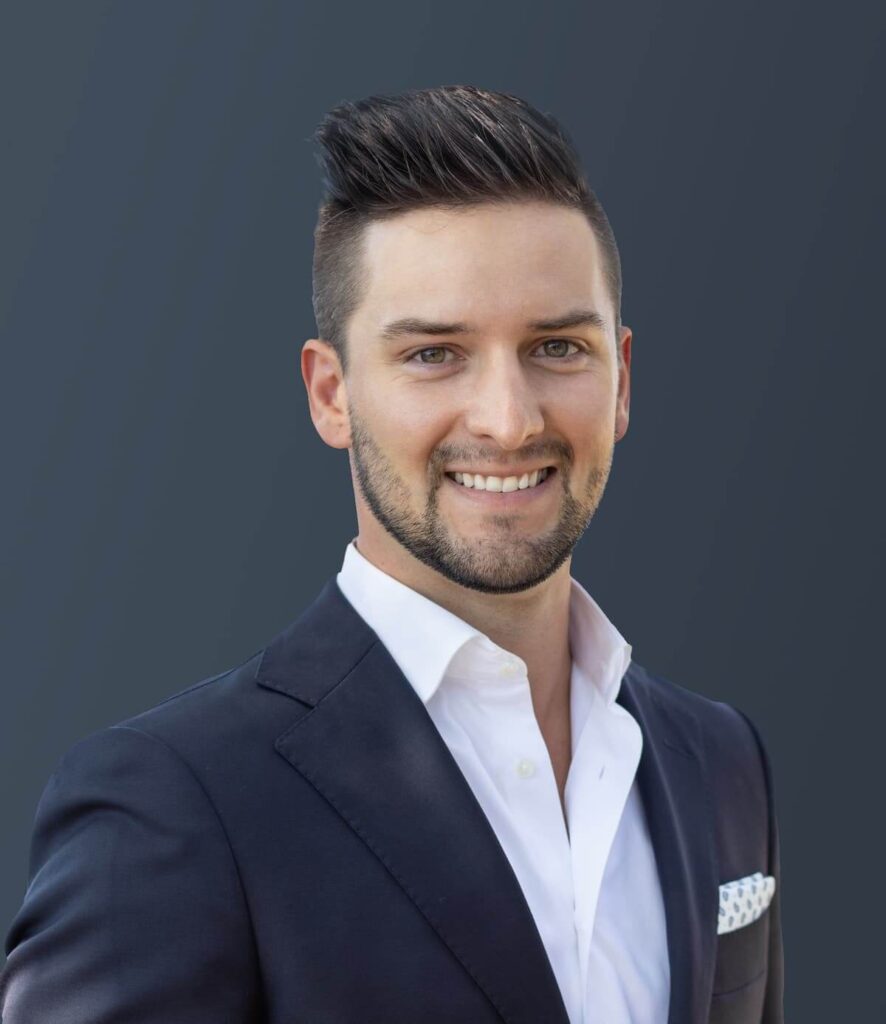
[451,146]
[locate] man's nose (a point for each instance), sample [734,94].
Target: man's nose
[503,406]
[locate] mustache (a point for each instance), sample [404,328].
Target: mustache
[556,451]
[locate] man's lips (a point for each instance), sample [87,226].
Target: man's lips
[508,480]
[500,498]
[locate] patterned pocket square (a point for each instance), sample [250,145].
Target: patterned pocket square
[744,900]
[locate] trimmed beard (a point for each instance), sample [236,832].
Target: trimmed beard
[500,564]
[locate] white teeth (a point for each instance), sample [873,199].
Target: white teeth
[502,484]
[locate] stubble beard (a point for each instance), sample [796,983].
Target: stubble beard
[503,563]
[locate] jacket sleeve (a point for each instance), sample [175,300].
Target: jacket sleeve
[134,910]
[773,1004]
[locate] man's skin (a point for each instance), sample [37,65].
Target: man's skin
[499,398]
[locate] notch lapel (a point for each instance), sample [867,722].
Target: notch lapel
[672,786]
[370,748]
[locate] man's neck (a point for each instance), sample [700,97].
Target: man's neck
[532,624]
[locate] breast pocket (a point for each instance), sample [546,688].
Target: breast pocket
[743,1005]
[742,959]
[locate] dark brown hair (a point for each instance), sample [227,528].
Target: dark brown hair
[450,146]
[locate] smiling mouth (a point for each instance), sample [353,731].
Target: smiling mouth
[502,484]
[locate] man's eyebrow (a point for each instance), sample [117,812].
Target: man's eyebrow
[416,325]
[575,318]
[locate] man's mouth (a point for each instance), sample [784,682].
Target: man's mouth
[503,484]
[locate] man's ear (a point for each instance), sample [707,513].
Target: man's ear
[327,396]
[624,383]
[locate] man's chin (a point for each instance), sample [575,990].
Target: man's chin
[496,567]
[496,583]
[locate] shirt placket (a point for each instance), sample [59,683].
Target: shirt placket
[526,776]
[602,770]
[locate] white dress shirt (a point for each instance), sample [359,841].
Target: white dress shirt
[593,889]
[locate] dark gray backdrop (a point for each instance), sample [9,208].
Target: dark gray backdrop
[168,507]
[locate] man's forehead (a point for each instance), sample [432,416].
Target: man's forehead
[521,263]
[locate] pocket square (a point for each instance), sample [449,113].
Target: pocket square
[744,900]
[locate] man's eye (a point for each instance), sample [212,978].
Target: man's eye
[555,348]
[559,347]
[431,356]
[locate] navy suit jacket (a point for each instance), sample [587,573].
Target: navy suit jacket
[291,842]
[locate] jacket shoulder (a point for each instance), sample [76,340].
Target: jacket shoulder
[216,715]
[730,744]
[725,729]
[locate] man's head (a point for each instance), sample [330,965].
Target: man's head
[467,291]
[452,146]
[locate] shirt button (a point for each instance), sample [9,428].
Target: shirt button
[525,768]
[509,668]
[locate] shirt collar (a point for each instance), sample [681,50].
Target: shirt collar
[598,648]
[423,637]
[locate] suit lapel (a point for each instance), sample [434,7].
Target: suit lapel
[370,748]
[678,808]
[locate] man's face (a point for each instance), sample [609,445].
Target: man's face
[453,370]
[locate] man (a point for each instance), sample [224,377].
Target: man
[445,793]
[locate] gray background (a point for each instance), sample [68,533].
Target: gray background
[168,507]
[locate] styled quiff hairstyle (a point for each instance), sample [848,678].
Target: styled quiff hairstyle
[451,146]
